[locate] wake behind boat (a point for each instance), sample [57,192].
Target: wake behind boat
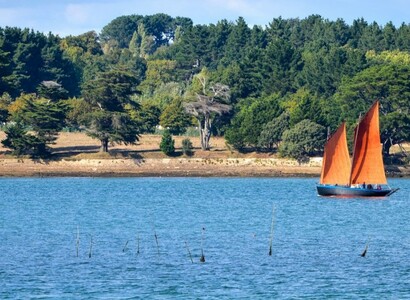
[364,174]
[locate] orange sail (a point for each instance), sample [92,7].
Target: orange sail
[367,164]
[336,161]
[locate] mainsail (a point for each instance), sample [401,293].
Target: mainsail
[367,164]
[336,161]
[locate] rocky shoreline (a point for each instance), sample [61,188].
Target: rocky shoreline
[169,167]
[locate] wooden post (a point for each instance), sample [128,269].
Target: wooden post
[189,252]
[91,246]
[77,241]
[271,232]
[202,258]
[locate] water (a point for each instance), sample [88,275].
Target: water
[316,246]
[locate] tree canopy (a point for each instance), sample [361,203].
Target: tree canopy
[234,79]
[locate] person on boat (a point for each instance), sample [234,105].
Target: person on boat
[364,185]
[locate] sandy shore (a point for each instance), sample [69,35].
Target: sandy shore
[77,155]
[249,167]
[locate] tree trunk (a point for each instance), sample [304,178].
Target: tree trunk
[205,133]
[104,145]
[386,148]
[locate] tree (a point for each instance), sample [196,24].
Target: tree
[147,116]
[304,139]
[159,72]
[20,141]
[121,30]
[167,143]
[5,101]
[44,119]
[174,118]
[272,132]
[209,104]
[387,82]
[108,120]
[187,147]
[52,90]
[249,121]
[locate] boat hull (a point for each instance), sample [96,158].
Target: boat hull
[342,191]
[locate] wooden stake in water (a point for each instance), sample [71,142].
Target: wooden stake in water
[202,258]
[138,244]
[189,252]
[271,231]
[365,249]
[125,247]
[77,241]
[156,240]
[91,246]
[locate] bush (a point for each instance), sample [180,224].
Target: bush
[187,147]
[167,144]
[305,139]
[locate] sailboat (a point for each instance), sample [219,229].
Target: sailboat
[364,174]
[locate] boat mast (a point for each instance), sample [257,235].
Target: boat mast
[354,149]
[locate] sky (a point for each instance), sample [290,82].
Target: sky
[74,17]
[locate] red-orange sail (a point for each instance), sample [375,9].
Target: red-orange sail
[367,164]
[336,161]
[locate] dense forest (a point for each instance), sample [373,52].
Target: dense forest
[282,87]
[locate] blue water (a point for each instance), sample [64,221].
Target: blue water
[316,243]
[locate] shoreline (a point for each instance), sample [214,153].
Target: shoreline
[156,167]
[169,167]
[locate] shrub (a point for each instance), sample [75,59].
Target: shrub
[187,147]
[167,144]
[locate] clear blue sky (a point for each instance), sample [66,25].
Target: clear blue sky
[65,17]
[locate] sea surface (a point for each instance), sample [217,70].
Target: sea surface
[142,238]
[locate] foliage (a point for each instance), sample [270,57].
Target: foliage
[158,72]
[147,117]
[389,84]
[167,144]
[305,139]
[248,122]
[52,90]
[211,102]
[5,101]
[108,119]
[271,134]
[21,142]
[174,118]
[187,147]
[314,68]
[44,118]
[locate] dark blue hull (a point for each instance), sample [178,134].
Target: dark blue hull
[342,191]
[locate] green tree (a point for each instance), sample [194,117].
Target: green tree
[44,119]
[303,140]
[20,141]
[251,117]
[5,101]
[174,118]
[109,121]
[272,132]
[159,72]
[187,147]
[147,116]
[387,82]
[167,144]
[52,90]
[121,30]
